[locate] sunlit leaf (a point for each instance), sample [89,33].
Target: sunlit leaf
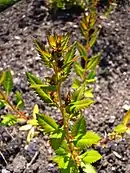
[90,156]
[2,76]
[88,168]
[30,134]
[93,61]
[47,123]
[57,138]
[35,111]
[79,127]
[94,37]
[88,93]
[88,139]
[43,95]
[76,83]
[81,104]
[51,41]
[9,120]
[126,118]
[19,100]
[82,50]
[44,54]
[121,128]
[8,82]
[78,69]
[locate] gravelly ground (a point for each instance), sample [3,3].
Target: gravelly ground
[28,19]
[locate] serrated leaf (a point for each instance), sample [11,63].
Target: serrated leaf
[63,149]
[91,156]
[76,83]
[8,82]
[8,119]
[34,80]
[44,54]
[19,100]
[78,94]
[47,123]
[126,118]
[93,38]
[82,50]
[121,128]
[78,69]
[46,88]
[79,127]
[81,104]
[87,168]
[62,161]
[57,138]
[70,54]
[65,41]
[91,77]
[72,167]
[93,61]
[88,139]
[66,164]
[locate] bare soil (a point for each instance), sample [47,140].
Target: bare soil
[29,19]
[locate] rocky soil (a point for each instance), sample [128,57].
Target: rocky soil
[29,19]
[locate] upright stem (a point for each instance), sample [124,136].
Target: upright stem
[74,154]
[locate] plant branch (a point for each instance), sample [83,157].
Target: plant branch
[12,107]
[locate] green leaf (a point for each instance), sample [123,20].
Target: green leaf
[2,77]
[8,82]
[87,168]
[78,93]
[70,54]
[57,138]
[44,54]
[62,161]
[126,118]
[9,120]
[121,128]
[88,93]
[72,168]
[35,111]
[65,41]
[81,104]
[19,100]
[79,127]
[82,50]
[90,156]
[66,164]
[46,88]
[88,139]
[76,83]
[2,105]
[91,77]
[43,95]
[94,61]
[93,38]
[78,69]
[47,123]
[52,41]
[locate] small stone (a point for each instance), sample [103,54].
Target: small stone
[5,171]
